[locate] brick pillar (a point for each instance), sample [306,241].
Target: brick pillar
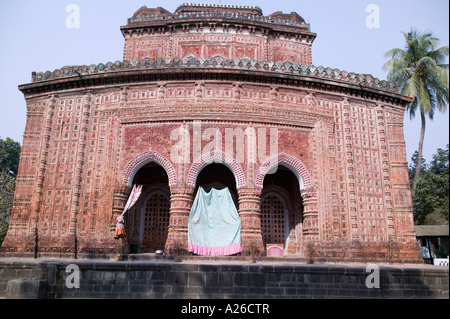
[181,199]
[250,213]
[78,173]
[38,193]
[310,216]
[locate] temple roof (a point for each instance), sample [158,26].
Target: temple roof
[293,16]
[196,11]
[144,11]
[198,7]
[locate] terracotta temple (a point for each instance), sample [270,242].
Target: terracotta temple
[213,96]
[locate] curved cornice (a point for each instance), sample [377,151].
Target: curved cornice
[218,67]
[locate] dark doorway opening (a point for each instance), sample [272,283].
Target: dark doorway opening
[148,220]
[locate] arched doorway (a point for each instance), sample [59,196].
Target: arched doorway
[148,220]
[281,209]
[218,176]
[214,226]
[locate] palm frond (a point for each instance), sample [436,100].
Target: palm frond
[425,99]
[395,54]
[421,71]
[426,64]
[412,108]
[439,55]
[412,87]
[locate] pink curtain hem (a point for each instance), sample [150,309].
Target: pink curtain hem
[215,251]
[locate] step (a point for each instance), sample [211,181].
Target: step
[195,258]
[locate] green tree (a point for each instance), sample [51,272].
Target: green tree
[413,165]
[431,200]
[9,155]
[9,163]
[7,183]
[422,74]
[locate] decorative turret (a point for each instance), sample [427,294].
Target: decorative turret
[208,30]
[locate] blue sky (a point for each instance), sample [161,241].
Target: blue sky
[35,38]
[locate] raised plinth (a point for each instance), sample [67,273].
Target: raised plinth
[218,279]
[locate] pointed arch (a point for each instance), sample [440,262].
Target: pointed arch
[143,159]
[216,156]
[291,162]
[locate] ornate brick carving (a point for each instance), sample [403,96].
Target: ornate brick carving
[216,156]
[144,158]
[289,160]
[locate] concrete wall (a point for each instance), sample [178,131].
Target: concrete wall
[186,280]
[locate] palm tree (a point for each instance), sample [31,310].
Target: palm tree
[422,74]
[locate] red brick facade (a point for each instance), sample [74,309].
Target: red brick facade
[316,152]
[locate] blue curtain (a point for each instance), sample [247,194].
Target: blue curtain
[214,227]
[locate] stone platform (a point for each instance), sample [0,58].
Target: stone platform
[161,277]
